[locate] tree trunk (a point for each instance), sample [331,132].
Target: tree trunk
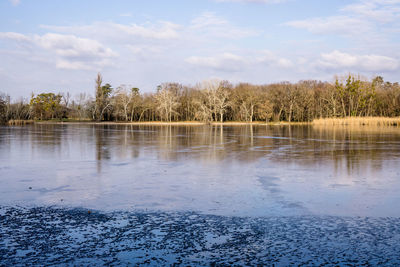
[132,112]
[251,113]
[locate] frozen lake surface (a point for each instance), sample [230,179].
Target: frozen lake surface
[231,171]
[85,194]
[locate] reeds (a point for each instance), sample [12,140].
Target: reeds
[359,121]
[19,122]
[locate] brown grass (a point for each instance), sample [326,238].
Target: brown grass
[359,121]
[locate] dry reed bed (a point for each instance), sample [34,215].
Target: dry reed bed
[336,132]
[359,121]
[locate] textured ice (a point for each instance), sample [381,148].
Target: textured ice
[54,236]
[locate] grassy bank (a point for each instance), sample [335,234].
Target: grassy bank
[359,121]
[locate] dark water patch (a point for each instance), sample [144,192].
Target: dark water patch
[56,189]
[120,164]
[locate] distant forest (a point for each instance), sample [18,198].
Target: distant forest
[214,100]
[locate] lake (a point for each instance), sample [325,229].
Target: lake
[220,170]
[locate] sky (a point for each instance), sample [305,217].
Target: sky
[60,46]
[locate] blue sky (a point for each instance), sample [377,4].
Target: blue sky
[59,46]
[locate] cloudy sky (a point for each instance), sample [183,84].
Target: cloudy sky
[59,46]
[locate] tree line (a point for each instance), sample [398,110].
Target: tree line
[215,101]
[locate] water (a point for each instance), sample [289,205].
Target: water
[231,170]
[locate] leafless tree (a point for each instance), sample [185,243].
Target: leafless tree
[166,101]
[126,101]
[66,98]
[217,97]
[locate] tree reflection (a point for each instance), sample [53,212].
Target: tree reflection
[305,145]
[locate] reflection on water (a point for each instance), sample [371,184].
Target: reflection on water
[229,170]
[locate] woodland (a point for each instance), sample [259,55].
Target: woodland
[213,101]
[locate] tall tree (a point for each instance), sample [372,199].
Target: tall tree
[166,99]
[3,108]
[127,100]
[103,101]
[217,94]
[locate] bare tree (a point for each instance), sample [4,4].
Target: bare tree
[66,98]
[246,98]
[202,106]
[126,101]
[167,101]
[81,105]
[275,95]
[217,96]
[265,108]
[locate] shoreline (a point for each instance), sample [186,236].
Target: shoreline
[177,123]
[346,122]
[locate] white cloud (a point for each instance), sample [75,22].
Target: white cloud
[72,65]
[226,62]
[208,19]
[75,53]
[89,46]
[284,63]
[365,21]
[142,42]
[383,11]
[204,28]
[209,24]
[162,30]
[268,58]
[229,62]
[67,51]
[341,25]
[15,2]
[337,60]
[165,30]
[14,36]
[145,52]
[70,46]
